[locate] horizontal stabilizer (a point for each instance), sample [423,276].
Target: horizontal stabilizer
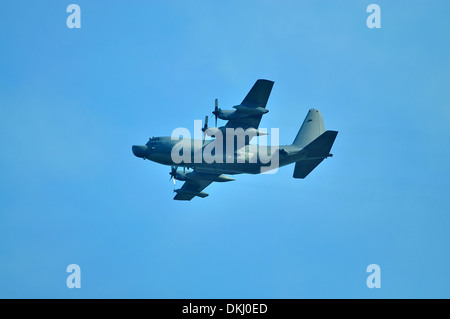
[321,146]
[303,168]
[316,152]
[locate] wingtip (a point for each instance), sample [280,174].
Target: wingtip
[265,80]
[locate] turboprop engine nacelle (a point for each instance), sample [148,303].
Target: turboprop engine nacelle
[251,110]
[187,192]
[214,131]
[201,176]
[254,132]
[208,177]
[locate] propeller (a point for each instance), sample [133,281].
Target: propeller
[204,128]
[172,174]
[216,110]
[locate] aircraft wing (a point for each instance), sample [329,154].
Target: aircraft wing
[256,97]
[192,188]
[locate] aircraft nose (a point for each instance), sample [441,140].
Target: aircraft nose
[139,150]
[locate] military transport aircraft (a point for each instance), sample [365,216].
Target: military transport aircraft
[309,148]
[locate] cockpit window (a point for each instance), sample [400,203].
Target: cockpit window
[152,141]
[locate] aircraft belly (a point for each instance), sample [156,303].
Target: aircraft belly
[228,168]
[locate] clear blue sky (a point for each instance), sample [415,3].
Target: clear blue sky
[72,102]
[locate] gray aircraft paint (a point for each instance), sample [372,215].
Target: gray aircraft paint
[310,147]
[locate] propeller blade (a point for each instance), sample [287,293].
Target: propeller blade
[216,111]
[172,174]
[205,127]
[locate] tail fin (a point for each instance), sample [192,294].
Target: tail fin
[311,129]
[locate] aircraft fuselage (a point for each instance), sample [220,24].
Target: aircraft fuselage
[251,159]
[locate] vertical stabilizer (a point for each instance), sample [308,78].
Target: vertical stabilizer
[311,129]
